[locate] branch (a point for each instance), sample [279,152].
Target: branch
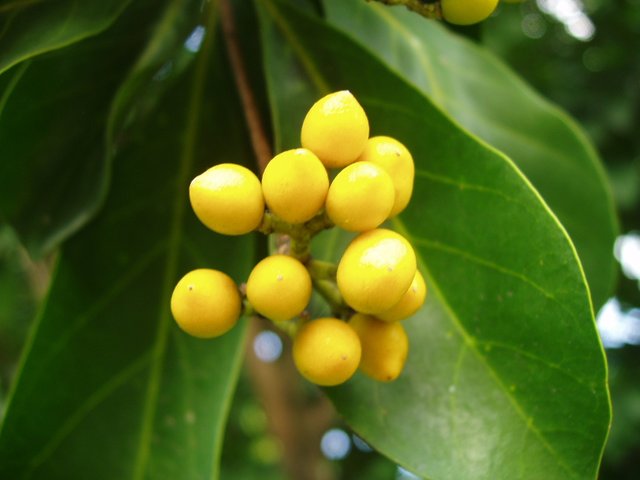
[259,141]
[294,418]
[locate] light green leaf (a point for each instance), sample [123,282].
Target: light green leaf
[109,387]
[506,377]
[488,99]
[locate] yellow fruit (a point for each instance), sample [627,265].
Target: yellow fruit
[336,129]
[360,197]
[384,347]
[295,185]
[228,199]
[206,303]
[279,287]
[376,270]
[410,302]
[396,160]
[326,351]
[467,12]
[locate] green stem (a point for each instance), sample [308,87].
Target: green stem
[321,270]
[329,291]
[247,308]
[273,224]
[300,234]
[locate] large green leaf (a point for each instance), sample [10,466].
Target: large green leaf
[506,377]
[487,98]
[31,27]
[109,387]
[53,117]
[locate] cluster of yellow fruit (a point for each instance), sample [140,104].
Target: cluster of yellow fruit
[377,277]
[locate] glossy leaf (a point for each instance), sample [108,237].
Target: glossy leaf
[506,377]
[53,116]
[32,27]
[488,99]
[109,386]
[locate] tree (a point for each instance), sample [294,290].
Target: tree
[110,108]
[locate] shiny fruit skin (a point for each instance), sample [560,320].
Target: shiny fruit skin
[279,287]
[336,129]
[467,12]
[396,160]
[410,302]
[206,303]
[384,347]
[326,351]
[228,199]
[295,185]
[360,197]
[376,270]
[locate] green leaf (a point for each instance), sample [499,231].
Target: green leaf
[488,99]
[506,377]
[109,387]
[53,116]
[31,27]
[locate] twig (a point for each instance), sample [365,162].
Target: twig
[259,141]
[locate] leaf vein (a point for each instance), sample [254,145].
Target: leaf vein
[186,162]
[469,340]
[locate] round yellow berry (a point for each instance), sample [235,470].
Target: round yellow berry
[206,303]
[384,347]
[396,160]
[467,12]
[228,199]
[336,129]
[279,287]
[295,185]
[410,302]
[376,270]
[360,197]
[326,351]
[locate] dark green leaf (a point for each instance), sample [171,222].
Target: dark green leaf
[489,100]
[31,27]
[53,117]
[506,377]
[109,387]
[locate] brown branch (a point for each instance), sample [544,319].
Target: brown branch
[296,420]
[259,141]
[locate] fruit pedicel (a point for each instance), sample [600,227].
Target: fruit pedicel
[376,283]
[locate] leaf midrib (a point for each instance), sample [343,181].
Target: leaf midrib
[437,92]
[186,162]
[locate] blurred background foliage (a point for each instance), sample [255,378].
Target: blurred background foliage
[584,56]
